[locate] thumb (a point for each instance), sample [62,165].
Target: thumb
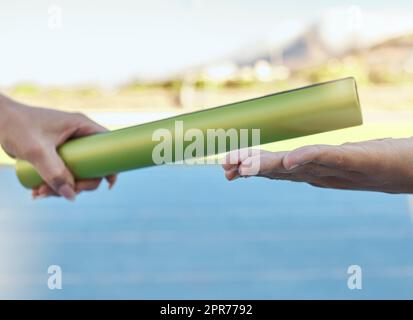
[54,172]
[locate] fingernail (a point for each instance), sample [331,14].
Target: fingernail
[39,196]
[67,192]
[111,182]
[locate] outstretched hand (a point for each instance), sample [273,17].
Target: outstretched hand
[384,165]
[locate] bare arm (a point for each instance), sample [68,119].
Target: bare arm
[384,165]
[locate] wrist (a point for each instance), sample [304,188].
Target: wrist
[8,111]
[4,113]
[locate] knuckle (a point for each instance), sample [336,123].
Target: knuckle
[318,151]
[80,116]
[227,175]
[339,159]
[232,158]
[314,148]
[243,171]
[308,152]
[302,150]
[57,178]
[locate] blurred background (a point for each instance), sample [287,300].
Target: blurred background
[125,62]
[188,54]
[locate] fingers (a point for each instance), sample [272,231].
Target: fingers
[43,191]
[87,185]
[59,180]
[371,165]
[111,180]
[232,174]
[39,144]
[305,155]
[53,171]
[85,126]
[263,164]
[252,162]
[304,164]
[80,186]
[340,157]
[234,158]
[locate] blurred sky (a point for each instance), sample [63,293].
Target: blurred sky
[112,41]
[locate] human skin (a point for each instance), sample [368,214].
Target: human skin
[384,165]
[33,134]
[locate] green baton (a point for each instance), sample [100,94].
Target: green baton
[289,114]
